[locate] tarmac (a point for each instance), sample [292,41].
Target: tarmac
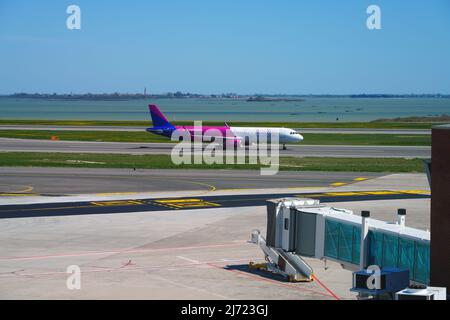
[174,254]
[66,181]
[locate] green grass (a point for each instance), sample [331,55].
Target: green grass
[359,125]
[310,138]
[30,159]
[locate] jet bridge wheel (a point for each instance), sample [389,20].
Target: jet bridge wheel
[292,278]
[257,266]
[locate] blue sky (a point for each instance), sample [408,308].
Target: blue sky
[245,46]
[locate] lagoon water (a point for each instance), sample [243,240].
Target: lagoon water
[311,109]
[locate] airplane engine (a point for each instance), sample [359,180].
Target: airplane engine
[237,143]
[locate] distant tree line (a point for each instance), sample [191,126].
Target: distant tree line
[187,95]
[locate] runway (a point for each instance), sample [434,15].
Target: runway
[137,129]
[24,145]
[63,181]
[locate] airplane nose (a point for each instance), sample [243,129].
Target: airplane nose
[300,137]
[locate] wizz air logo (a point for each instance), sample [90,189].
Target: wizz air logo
[221,146]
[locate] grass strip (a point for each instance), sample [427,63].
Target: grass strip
[89,160]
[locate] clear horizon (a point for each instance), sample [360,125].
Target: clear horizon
[208,48]
[226,92]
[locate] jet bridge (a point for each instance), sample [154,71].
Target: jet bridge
[299,228]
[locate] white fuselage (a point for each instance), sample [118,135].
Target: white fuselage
[285,135]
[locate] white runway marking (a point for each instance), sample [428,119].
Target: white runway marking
[179,284]
[188,259]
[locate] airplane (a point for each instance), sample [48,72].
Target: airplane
[238,136]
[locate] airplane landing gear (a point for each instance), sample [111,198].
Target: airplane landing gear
[284,147]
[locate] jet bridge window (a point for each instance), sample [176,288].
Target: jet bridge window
[406,254]
[342,241]
[422,265]
[386,250]
[345,242]
[331,239]
[390,250]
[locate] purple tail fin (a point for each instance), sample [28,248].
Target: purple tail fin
[158,119]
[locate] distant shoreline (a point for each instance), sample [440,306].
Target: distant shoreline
[227,96]
[277,99]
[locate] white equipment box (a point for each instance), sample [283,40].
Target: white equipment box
[428,293]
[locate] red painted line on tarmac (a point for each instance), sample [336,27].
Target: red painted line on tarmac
[120,251]
[249,275]
[124,267]
[325,287]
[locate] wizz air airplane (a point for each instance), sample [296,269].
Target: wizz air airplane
[236,136]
